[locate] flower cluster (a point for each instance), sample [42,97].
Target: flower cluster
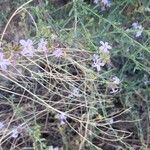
[139,29]
[100,61]
[27,48]
[105,47]
[58,53]
[42,45]
[97,62]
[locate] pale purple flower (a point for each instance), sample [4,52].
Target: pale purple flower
[95,57]
[75,92]
[135,25]
[42,45]
[27,48]
[15,133]
[62,118]
[58,53]
[105,47]
[107,3]
[139,33]
[139,29]
[97,63]
[4,63]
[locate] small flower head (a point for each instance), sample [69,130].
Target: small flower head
[135,25]
[62,118]
[15,133]
[42,45]
[27,48]
[97,63]
[4,63]
[75,92]
[105,47]
[106,3]
[139,33]
[58,53]
[95,57]
[139,29]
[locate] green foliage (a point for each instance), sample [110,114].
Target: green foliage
[39,143]
[81,25]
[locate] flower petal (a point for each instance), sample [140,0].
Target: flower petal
[22,42]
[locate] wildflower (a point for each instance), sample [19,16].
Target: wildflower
[1,125]
[4,63]
[42,45]
[139,33]
[97,63]
[138,27]
[105,47]
[116,80]
[62,118]
[15,133]
[106,3]
[135,25]
[58,52]
[27,48]
[95,57]
[75,92]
